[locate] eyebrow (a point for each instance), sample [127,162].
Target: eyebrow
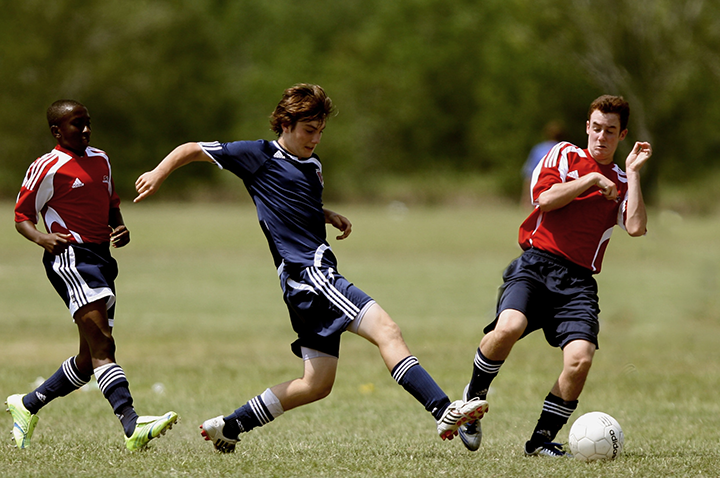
[595,123]
[315,128]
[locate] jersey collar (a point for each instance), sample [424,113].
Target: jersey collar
[72,153]
[311,160]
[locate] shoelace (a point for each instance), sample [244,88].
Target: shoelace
[554,448]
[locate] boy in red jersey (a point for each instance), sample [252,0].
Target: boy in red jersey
[72,188]
[579,196]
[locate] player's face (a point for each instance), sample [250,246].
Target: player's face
[303,138]
[73,131]
[604,134]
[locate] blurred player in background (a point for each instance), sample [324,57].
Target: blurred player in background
[579,196]
[72,188]
[553,133]
[284,179]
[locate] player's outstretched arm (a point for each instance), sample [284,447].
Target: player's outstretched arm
[148,183]
[636,221]
[338,221]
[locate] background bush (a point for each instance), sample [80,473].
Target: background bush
[423,87]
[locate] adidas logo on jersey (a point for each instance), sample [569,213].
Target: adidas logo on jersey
[77,184]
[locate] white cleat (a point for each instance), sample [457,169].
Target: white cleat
[471,432]
[212,430]
[459,413]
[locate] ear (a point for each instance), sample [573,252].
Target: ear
[587,127]
[55,131]
[623,133]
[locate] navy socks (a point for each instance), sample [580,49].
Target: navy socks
[413,378]
[484,371]
[65,380]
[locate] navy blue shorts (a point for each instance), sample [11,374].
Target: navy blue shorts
[554,294]
[83,274]
[322,304]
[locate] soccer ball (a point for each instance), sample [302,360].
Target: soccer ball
[596,436]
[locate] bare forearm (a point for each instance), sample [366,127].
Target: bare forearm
[28,230]
[115,218]
[148,183]
[54,243]
[561,194]
[180,156]
[636,222]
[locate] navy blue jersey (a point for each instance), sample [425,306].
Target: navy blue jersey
[287,192]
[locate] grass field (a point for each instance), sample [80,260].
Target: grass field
[200,312]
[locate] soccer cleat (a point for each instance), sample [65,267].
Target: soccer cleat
[551,449]
[459,413]
[212,430]
[471,432]
[23,421]
[148,428]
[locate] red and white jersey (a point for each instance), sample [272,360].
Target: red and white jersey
[73,194]
[581,230]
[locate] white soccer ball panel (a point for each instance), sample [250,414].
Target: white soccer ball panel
[596,436]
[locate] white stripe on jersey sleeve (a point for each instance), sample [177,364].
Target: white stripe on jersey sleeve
[211,146]
[46,187]
[36,169]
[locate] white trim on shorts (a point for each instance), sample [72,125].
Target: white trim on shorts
[81,294]
[308,353]
[355,324]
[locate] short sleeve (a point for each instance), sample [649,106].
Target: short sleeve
[554,168]
[242,158]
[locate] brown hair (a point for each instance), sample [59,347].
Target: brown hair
[301,102]
[612,104]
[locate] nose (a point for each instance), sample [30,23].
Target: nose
[316,138]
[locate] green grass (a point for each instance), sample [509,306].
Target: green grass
[200,311]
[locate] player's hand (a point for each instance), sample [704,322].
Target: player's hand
[640,153]
[607,188]
[55,243]
[147,184]
[340,222]
[120,236]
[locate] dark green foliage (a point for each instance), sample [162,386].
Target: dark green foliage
[421,85]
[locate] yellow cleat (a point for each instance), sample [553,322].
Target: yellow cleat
[148,428]
[23,421]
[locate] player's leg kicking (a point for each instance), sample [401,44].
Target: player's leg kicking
[367,319]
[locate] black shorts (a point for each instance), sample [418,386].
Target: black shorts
[83,274]
[554,294]
[322,304]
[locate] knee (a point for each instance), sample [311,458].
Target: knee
[392,331]
[318,391]
[580,365]
[102,347]
[384,332]
[509,327]
[83,362]
[323,392]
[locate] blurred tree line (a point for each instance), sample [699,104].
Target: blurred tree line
[421,86]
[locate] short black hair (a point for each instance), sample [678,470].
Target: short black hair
[57,110]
